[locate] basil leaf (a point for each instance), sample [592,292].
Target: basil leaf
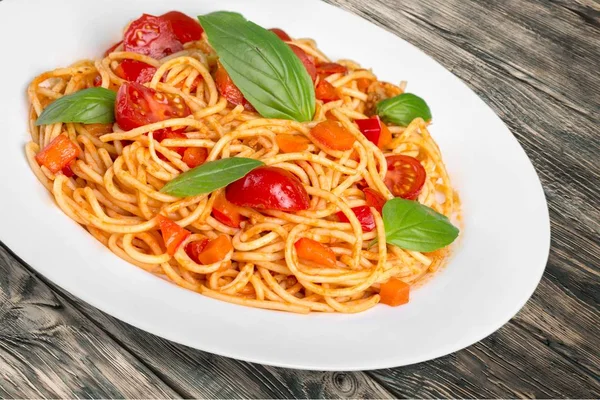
[267,72]
[88,106]
[210,176]
[413,226]
[402,109]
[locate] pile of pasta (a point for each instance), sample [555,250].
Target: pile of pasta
[114,190]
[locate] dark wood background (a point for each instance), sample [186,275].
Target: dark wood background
[537,64]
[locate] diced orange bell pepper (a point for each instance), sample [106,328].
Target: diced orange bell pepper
[333,135]
[173,235]
[226,212]
[363,84]
[394,292]
[58,154]
[194,156]
[311,250]
[215,250]
[326,92]
[292,143]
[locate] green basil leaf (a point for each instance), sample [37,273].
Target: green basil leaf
[88,106]
[402,109]
[210,176]
[413,226]
[262,66]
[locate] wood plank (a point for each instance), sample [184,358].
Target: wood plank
[197,374]
[551,348]
[48,349]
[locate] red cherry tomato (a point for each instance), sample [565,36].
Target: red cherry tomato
[135,71]
[228,89]
[151,36]
[281,34]
[405,176]
[307,61]
[364,215]
[269,188]
[374,199]
[193,249]
[138,105]
[375,130]
[112,48]
[329,68]
[326,92]
[186,29]
[97,80]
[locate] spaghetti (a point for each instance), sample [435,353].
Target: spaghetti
[113,186]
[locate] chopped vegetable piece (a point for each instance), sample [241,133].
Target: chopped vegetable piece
[58,154]
[194,156]
[394,292]
[135,71]
[185,28]
[326,92]
[364,216]
[333,135]
[173,235]
[215,250]
[292,143]
[138,105]
[311,250]
[281,34]
[374,199]
[330,68]
[226,212]
[269,188]
[405,176]
[307,61]
[151,36]
[375,130]
[193,249]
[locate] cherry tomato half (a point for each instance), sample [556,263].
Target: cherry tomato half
[138,105]
[374,199]
[281,34]
[405,176]
[228,89]
[151,36]
[135,71]
[307,61]
[186,29]
[269,188]
[364,216]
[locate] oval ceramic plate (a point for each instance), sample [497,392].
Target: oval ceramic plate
[500,260]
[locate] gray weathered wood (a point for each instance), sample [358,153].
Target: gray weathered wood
[535,62]
[49,349]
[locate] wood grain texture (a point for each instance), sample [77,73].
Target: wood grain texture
[535,62]
[49,349]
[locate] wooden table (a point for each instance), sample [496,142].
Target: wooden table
[537,64]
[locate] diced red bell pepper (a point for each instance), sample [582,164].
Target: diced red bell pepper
[375,130]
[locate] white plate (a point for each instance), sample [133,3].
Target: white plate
[501,259]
